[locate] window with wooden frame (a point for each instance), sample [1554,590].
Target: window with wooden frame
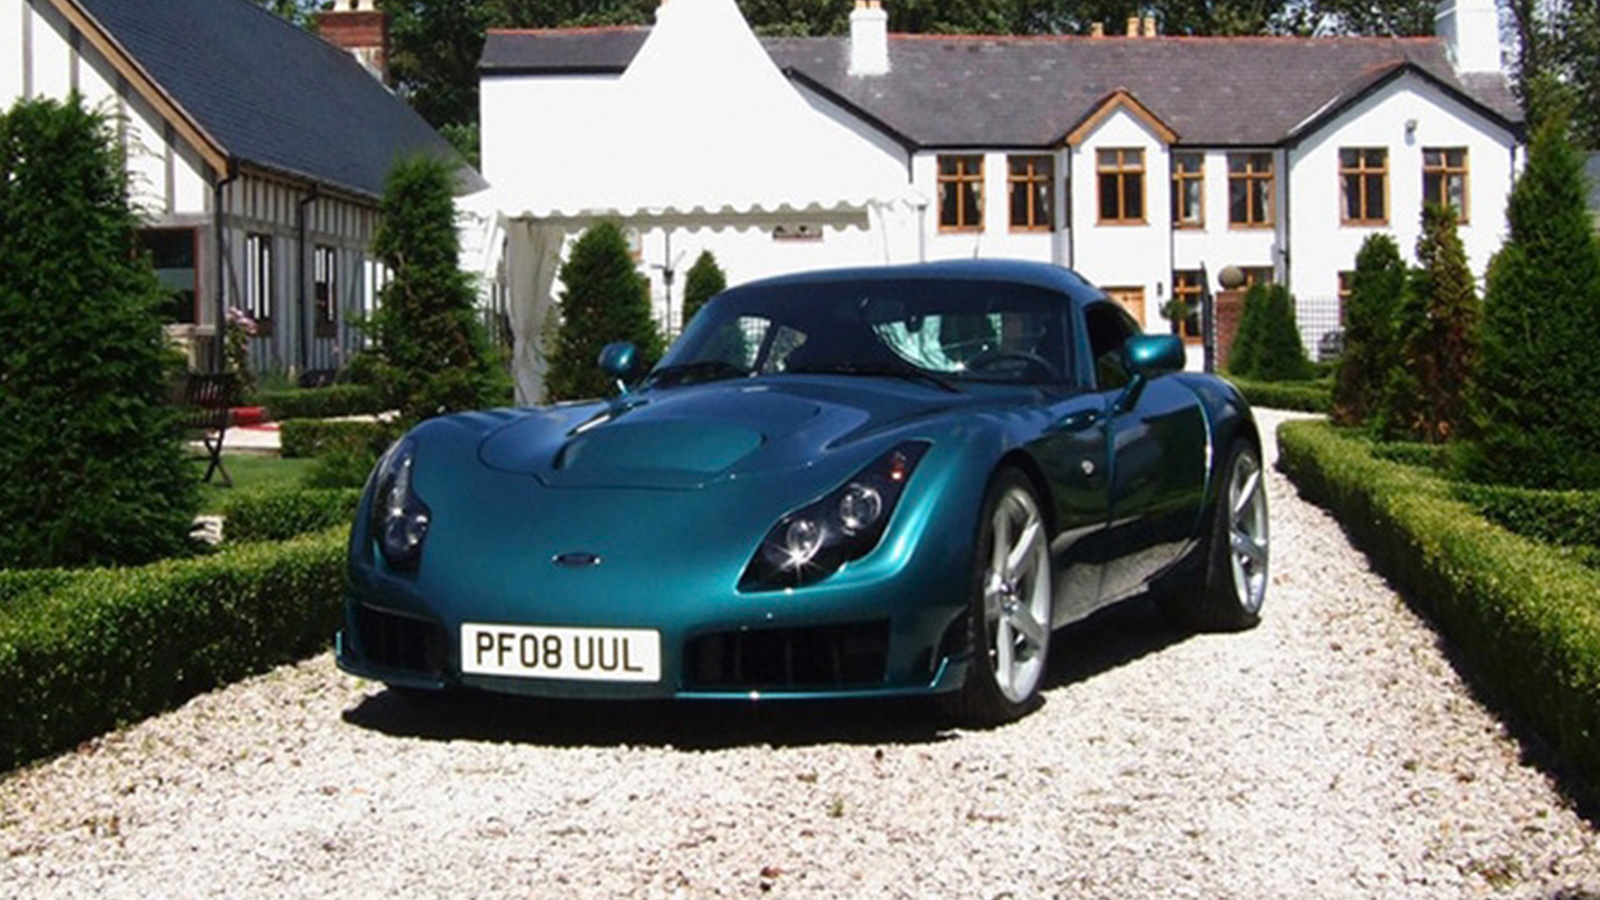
[1188,190]
[1444,178]
[1187,288]
[961,193]
[1254,275]
[1131,299]
[324,291]
[173,254]
[1033,192]
[1121,172]
[1364,181]
[258,281]
[1250,188]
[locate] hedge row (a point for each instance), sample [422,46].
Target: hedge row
[1523,614]
[1305,396]
[298,438]
[322,403]
[1411,453]
[110,646]
[1566,518]
[280,514]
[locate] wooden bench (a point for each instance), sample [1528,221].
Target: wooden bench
[205,404]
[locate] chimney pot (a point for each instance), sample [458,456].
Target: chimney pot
[1097,29]
[1150,26]
[1133,26]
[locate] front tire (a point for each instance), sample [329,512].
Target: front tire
[1237,552]
[1011,598]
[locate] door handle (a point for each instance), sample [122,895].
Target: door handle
[1082,420]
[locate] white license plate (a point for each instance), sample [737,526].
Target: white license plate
[583,654]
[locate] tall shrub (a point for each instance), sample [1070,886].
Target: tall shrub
[604,299]
[92,467]
[431,353]
[1369,339]
[1438,334]
[1268,346]
[706,280]
[1537,395]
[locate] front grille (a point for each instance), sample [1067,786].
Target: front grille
[815,658]
[401,642]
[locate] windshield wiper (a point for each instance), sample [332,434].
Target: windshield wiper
[904,371]
[695,372]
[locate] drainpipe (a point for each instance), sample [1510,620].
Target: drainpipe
[219,195]
[1066,214]
[300,293]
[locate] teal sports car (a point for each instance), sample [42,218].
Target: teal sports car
[882,482]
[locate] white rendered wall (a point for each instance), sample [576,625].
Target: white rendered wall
[1221,243]
[521,116]
[1322,246]
[1124,256]
[11,55]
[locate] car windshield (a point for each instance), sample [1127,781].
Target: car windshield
[938,331]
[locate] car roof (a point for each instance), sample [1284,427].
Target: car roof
[1036,274]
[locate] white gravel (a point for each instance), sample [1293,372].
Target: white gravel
[1331,753]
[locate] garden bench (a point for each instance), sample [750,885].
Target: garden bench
[206,409]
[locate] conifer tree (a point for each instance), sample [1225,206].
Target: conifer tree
[92,465]
[433,355]
[705,281]
[1247,339]
[1268,346]
[604,300]
[1369,339]
[1438,334]
[1536,400]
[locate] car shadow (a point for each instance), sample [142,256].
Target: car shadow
[1106,641]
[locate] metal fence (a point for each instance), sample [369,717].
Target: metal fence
[1321,326]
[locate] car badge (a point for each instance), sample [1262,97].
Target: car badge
[577,560]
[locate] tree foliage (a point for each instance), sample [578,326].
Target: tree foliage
[1268,345]
[1537,396]
[92,468]
[705,280]
[432,354]
[604,300]
[1369,339]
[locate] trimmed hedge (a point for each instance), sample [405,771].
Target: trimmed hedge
[1523,614]
[114,645]
[1412,453]
[322,403]
[1564,518]
[278,515]
[299,438]
[1305,396]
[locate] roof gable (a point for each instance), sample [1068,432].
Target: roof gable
[256,90]
[1119,101]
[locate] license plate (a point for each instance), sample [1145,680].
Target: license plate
[582,654]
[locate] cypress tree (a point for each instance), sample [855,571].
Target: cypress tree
[433,355]
[604,300]
[706,280]
[92,464]
[1247,340]
[1536,401]
[1439,337]
[1268,345]
[1369,339]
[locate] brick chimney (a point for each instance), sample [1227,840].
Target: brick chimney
[869,38]
[358,26]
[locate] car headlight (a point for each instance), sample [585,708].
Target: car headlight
[813,542]
[399,520]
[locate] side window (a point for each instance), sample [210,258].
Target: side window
[1109,328]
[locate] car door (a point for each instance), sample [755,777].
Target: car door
[1073,453]
[1157,442]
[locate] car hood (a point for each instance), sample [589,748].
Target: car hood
[686,437]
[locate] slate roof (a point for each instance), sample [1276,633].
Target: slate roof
[1020,92]
[267,93]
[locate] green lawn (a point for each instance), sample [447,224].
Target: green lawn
[249,471]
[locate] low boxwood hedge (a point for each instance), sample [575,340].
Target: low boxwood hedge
[1523,614]
[299,438]
[321,403]
[278,515]
[109,646]
[1566,518]
[1305,396]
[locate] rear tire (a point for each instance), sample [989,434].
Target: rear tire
[1012,590]
[1236,551]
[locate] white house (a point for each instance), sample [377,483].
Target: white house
[248,140]
[1138,159]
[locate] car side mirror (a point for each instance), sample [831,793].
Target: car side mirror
[618,361]
[1148,356]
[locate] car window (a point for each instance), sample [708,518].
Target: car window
[1109,329]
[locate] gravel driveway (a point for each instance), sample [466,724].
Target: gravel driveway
[1331,753]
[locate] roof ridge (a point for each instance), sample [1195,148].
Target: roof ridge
[583,29]
[1174,38]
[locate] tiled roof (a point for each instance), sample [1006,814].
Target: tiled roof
[1030,91]
[268,93]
